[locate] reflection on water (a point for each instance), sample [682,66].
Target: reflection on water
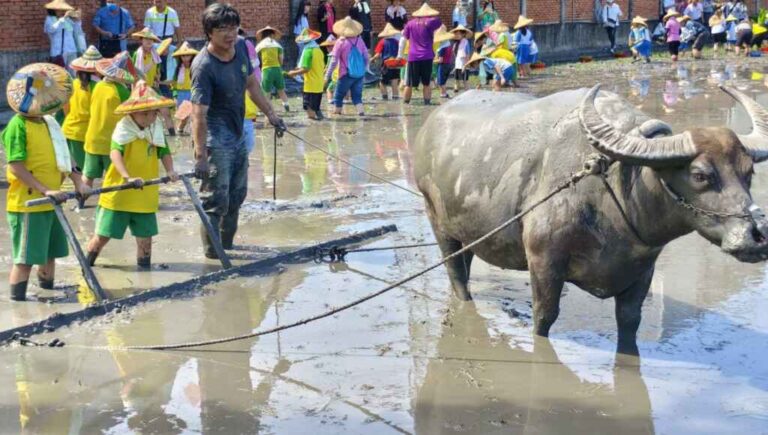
[415,360]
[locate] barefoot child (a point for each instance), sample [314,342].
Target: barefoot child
[138,145]
[38,160]
[109,93]
[271,57]
[312,67]
[444,59]
[504,72]
[640,40]
[328,44]
[730,32]
[182,78]
[523,38]
[462,51]
[76,123]
[386,49]
[673,33]
[149,63]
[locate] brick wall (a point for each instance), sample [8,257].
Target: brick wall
[21,23]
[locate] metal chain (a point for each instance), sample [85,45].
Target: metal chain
[590,168]
[698,210]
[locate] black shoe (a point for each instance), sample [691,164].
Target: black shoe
[19,291]
[144,262]
[92,256]
[385,97]
[211,255]
[45,284]
[171,132]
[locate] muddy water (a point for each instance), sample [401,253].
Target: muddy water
[413,360]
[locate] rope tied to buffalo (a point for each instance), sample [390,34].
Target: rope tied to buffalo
[593,166]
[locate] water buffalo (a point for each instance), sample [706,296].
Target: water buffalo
[483,157]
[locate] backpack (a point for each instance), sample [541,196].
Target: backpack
[355,62]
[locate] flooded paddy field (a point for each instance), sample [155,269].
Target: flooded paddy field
[414,360]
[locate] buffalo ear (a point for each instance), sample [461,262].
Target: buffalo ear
[756,142]
[654,152]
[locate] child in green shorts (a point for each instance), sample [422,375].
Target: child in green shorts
[118,74]
[76,123]
[138,145]
[38,161]
[270,54]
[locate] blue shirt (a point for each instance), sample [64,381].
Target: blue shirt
[108,20]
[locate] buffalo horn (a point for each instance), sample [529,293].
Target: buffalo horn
[756,142]
[654,152]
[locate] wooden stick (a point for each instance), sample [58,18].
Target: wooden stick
[213,234]
[90,277]
[274,171]
[126,186]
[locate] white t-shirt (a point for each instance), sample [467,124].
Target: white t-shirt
[156,21]
[611,15]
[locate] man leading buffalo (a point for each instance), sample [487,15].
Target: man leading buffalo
[221,75]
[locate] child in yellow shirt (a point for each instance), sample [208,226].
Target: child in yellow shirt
[107,95]
[138,145]
[148,61]
[270,53]
[312,67]
[76,123]
[38,161]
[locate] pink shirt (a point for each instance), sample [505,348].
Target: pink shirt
[341,51]
[673,30]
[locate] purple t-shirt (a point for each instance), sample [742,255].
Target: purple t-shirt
[420,32]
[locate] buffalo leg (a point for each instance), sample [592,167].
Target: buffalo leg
[547,284]
[629,304]
[458,267]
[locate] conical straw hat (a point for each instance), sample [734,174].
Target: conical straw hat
[59,5]
[476,57]
[185,50]
[389,31]
[259,32]
[87,62]
[163,47]
[308,35]
[500,27]
[684,18]
[671,13]
[347,28]
[145,33]
[143,98]
[640,21]
[730,18]
[120,68]
[442,34]
[39,89]
[426,11]
[462,29]
[329,42]
[523,21]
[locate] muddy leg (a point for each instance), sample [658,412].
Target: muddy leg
[629,306]
[144,252]
[547,284]
[458,267]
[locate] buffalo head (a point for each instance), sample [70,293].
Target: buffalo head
[708,169]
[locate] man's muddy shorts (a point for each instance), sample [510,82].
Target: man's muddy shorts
[36,237]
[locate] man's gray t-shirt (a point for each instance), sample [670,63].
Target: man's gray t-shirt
[221,86]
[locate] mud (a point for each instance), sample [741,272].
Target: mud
[413,360]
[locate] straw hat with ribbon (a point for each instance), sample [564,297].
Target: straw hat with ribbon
[145,33]
[120,68]
[143,98]
[442,34]
[59,5]
[730,18]
[87,62]
[185,50]
[308,35]
[476,57]
[39,89]
[523,21]
[640,21]
[389,31]
[671,12]
[500,27]
[461,29]
[425,11]
[260,32]
[347,28]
